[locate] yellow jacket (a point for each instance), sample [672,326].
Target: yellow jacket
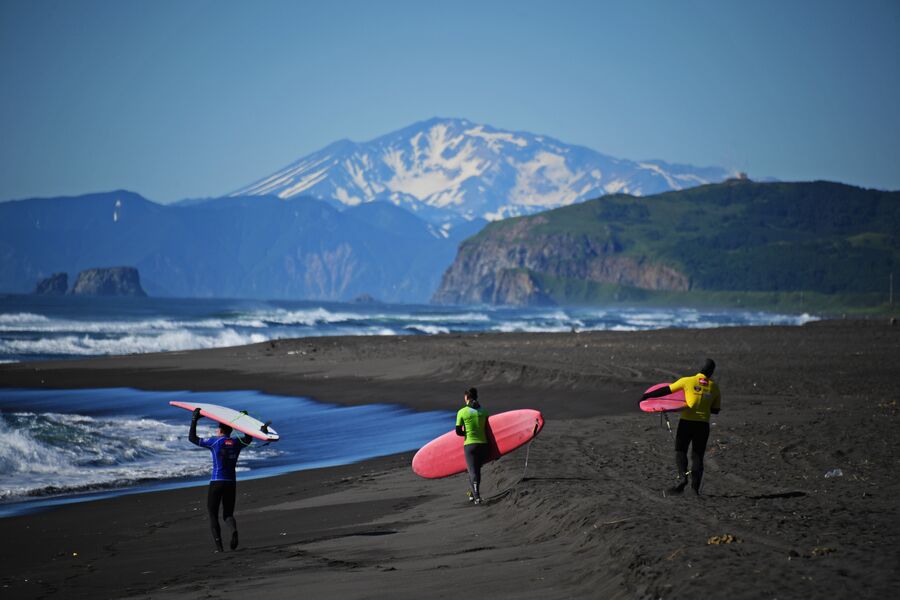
[701,394]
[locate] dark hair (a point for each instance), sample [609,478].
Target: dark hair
[226,429]
[708,367]
[472,393]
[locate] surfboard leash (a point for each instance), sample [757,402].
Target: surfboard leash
[534,432]
[499,495]
[665,416]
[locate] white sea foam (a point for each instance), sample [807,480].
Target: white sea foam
[651,319]
[362,330]
[778,319]
[528,327]
[427,329]
[16,318]
[371,331]
[51,453]
[307,317]
[471,317]
[85,345]
[24,334]
[73,326]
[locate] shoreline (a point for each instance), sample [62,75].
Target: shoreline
[37,504]
[588,519]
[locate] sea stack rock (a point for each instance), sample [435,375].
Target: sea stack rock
[114,281]
[55,285]
[366,299]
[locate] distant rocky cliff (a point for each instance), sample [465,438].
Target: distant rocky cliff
[55,285]
[113,281]
[704,244]
[507,265]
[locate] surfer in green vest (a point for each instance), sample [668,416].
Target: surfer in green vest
[703,398]
[471,423]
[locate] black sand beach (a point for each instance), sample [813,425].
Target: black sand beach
[588,521]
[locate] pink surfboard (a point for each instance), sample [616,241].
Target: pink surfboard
[668,403]
[443,456]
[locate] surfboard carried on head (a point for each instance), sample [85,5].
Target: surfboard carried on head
[668,403]
[444,456]
[237,420]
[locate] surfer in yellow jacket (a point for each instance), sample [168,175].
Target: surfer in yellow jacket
[703,398]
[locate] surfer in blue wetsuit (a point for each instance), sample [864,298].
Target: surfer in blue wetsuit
[223,483]
[703,398]
[471,423]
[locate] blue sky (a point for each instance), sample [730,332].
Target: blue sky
[178,99]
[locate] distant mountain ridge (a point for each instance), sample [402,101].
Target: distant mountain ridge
[738,236]
[447,170]
[256,247]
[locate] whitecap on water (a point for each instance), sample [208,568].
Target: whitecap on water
[85,345]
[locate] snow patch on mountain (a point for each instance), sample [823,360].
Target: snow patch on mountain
[495,140]
[448,170]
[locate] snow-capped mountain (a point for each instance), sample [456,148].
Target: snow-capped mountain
[445,170]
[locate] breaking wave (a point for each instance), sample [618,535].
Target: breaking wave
[64,443]
[86,345]
[166,325]
[52,453]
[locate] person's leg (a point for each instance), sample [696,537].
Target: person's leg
[473,468]
[682,439]
[698,448]
[213,499]
[476,455]
[228,498]
[479,457]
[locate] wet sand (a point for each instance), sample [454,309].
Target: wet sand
[588,520]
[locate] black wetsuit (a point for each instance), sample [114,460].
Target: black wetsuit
[695,434]
[223,483]
[476,456]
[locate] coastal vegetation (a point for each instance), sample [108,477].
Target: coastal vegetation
[788,246]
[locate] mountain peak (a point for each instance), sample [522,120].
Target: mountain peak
[452,122]
[447,169]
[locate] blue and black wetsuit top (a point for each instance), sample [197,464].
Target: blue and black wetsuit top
[225,452]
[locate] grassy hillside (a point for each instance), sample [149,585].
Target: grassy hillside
[783,244]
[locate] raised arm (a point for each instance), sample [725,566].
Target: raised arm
[247,439]
[192,434]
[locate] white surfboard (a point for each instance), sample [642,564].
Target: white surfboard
[237,420]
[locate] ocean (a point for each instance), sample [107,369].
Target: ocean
[78,445]
[49,328]
[63,446]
